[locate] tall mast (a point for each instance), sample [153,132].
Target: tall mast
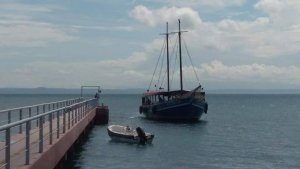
[168,69]
[167,38]
[179,36]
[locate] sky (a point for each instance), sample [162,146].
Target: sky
[233,44]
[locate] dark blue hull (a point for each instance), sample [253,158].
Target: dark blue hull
[175,110]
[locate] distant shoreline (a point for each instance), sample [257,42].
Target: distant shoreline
[42,90]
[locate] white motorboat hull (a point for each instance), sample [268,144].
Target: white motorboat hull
[125,134]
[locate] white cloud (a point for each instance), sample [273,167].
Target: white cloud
[282,13]
[124,64]
[134,71]
[206,3]
[19,29]
[26,33]
[275,6]
[105,28]
[276,34]
[119,73]
[264,37]
[229,25]
[270,36]
[18,7]
[161,16]
[214,3]
[215,74]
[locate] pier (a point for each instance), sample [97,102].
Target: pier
[40,136]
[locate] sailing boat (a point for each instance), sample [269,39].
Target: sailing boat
[176,105]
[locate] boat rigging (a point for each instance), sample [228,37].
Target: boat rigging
[177,104]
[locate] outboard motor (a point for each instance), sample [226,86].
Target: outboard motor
[142,135]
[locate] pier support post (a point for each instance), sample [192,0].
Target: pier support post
[37,113]
[27,149]
[8,117]
[69,119]
[64,120]
[20,118]
[57,125]
[102,115]
[29,114]
[7,149]
[41,138]
[50,128]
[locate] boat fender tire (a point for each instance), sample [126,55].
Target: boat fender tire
[142,135]
[205,108]
[141,109]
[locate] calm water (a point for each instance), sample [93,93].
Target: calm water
[239,131]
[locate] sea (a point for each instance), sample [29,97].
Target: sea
[240,131]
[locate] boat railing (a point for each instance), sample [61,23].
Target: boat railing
[16,149]
[199,96]
[197,93]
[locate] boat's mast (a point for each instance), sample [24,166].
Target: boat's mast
[179,36]
[167,38]
[168,67]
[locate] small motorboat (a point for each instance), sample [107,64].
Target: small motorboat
[129,135]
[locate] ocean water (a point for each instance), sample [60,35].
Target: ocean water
[8,101]
[239,131]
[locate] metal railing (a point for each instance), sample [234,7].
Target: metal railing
[16,114]
[59,121]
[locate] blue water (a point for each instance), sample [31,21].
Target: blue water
[239,131]
[8,101]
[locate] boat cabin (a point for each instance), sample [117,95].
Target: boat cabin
[159,97]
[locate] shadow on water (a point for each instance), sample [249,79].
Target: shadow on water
[75,153]
[175,122]
[113,142]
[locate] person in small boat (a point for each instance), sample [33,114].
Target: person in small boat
[142,135]
[127,128]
